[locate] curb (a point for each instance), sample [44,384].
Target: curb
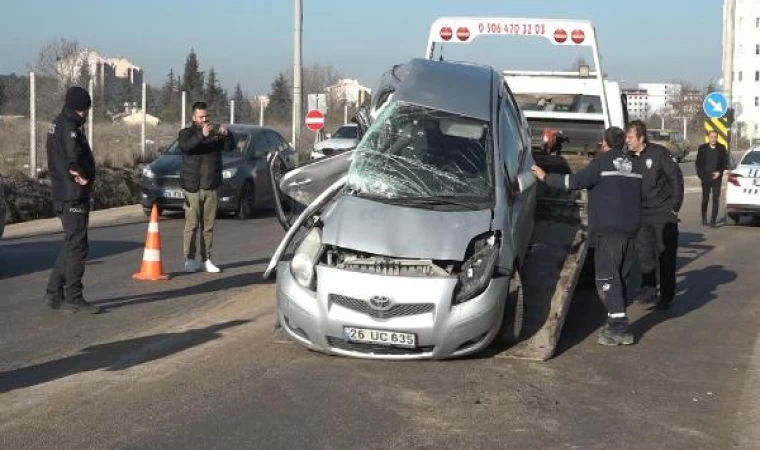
[122,215]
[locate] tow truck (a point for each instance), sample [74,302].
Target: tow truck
[568,139]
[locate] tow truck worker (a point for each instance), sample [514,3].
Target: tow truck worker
[613,180]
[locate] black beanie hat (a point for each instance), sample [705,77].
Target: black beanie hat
[78,99]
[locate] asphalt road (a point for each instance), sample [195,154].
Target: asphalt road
[190,363]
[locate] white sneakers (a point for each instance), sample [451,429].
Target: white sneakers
[209,267]
[206,266]
[190,266]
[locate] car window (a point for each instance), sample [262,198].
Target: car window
[261,145]
[275,141]
[751,159]
[346,133]
[510,139]
[240,141]
[240,144]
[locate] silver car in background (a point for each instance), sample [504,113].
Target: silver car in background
[344,138]
[415,252]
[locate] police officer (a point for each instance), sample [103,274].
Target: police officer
[72,172]
[613,180]
[662,197]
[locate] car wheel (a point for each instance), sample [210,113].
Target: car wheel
[514,312]
[732,218]
[247,206]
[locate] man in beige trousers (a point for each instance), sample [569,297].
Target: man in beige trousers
[201,175]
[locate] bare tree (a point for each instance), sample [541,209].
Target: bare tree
[316,77]
[60,59]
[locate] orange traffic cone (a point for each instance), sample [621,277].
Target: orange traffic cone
[152,269]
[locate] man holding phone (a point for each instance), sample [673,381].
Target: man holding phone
[202,145]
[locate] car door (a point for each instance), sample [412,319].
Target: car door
[514,145]
[262,145]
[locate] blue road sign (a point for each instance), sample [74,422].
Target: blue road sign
[715,105]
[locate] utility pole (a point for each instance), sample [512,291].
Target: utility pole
[91,117]
[297,71]
[142,124]
[729,19]
[184,116]
[32,126]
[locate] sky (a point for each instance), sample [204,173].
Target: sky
[250,41]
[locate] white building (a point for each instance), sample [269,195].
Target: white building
[660,96]
[346,90]
[746,76]
[638,103]
[104,71]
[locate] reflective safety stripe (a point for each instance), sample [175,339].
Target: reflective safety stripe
[615,173]
[152,227]
[567,182]
[152,255]
[617,315]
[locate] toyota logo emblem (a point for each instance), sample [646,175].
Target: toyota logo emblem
[380,303]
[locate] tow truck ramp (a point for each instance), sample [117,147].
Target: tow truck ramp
[554,264]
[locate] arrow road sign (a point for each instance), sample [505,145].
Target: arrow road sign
[715,105]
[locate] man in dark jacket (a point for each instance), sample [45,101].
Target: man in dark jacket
[72,172]
[662,197]
[613,180]
[201,175]
[712,161]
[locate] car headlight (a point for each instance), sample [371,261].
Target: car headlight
[147,172]
[305,258]
[229,173]
[478,270]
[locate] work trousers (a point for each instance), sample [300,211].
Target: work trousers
[657,243]
[614,259]
[65,282]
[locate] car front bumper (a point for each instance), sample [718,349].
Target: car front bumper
[317,319]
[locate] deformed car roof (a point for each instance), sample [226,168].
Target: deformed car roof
[459,88]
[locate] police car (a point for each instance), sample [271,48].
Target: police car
[743,187]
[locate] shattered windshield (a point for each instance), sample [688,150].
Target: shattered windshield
[415,152]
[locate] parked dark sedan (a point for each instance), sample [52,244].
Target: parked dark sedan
[246,177]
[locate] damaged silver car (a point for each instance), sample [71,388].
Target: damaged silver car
[410,246]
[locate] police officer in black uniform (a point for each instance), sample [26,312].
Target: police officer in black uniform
[662,197]
[72,172]
[613,180]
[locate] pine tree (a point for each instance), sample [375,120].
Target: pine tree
[216,98]
[169,104]
[243,109]
[280,102]
[193,78]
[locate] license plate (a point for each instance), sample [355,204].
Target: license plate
[380,337]
[173,194]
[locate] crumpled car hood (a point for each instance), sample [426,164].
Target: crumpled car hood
[402,232]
